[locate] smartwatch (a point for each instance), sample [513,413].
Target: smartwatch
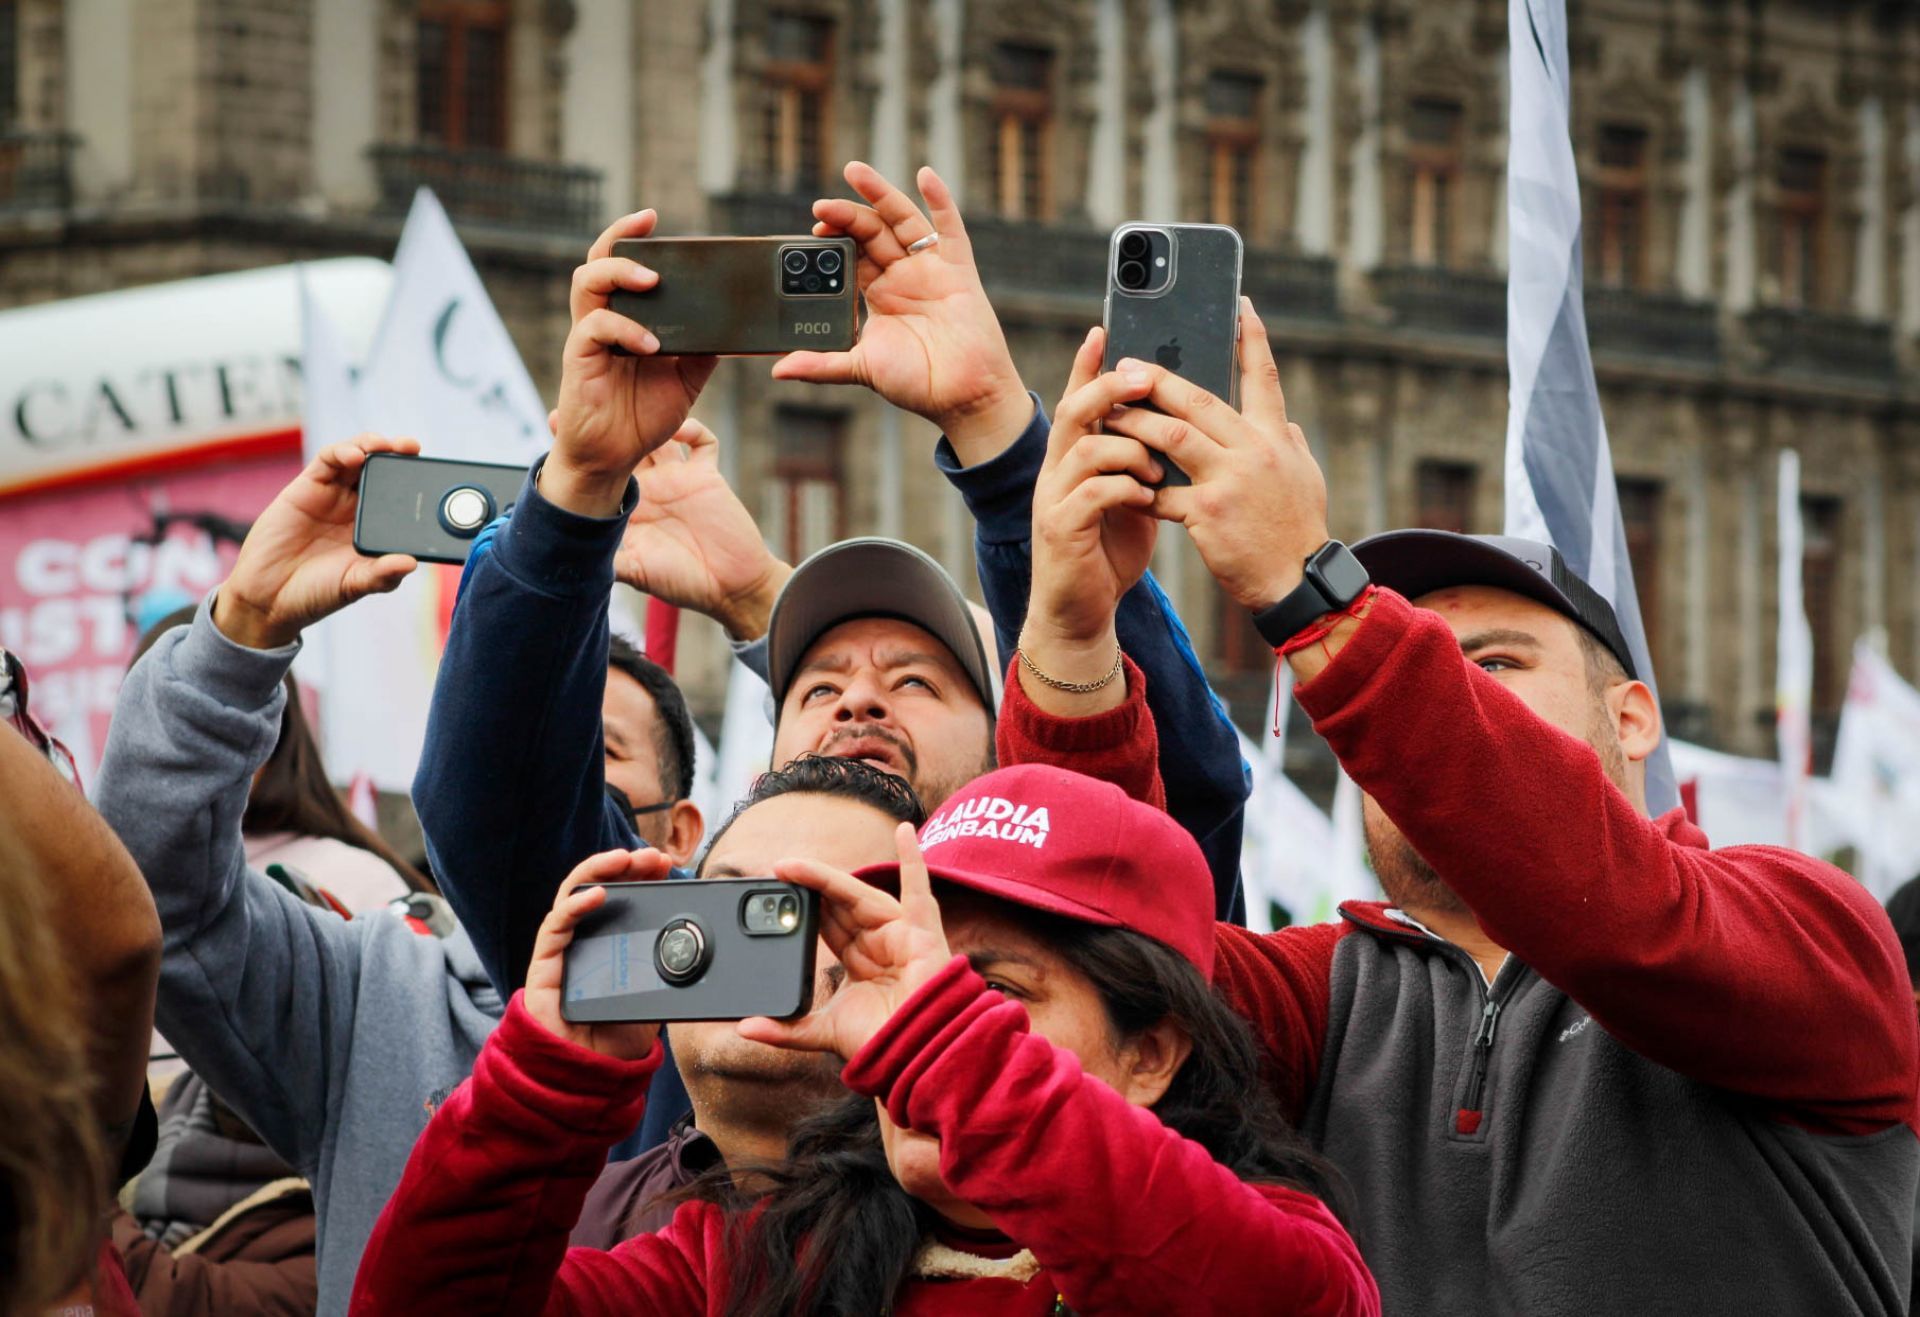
[1334,579]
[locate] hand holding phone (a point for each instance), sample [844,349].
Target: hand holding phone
[428,507]
[743,296]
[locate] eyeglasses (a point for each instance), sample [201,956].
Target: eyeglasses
[633,811]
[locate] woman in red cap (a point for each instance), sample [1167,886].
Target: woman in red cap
[1058,1114]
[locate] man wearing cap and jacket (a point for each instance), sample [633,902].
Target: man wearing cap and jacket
[1579,1062]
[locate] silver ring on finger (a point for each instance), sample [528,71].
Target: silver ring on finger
[921,244]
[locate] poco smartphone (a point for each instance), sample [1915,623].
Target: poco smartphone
[745,296]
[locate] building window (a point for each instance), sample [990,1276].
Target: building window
[1233,149]
[1640,518]
[1801,185]
[1819,586]
[461,73]
[798,80]
[1444,491]
[1619,255]
[804,510]
[1433,165]
[1022,137]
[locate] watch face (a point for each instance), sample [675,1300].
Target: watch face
[1342,578]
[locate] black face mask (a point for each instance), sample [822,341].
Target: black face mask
[633,811]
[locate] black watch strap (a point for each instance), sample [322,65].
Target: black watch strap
[1334,579]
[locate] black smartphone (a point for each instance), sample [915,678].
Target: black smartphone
[745,296]
[700,949]
[1173,297]
[430,507]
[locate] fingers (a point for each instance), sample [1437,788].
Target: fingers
[1194,452]
[916,886]
[1110,454]
[945,214]
[340,463]
[1207,412]
[863,224]
[1094,497]
[1084,409]
[808,1033]
[895,207]
[819,368]
[703,445]
[597,331]
[596,281]
[380,575]
[637,225]
[1261,397]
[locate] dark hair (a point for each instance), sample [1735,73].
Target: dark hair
[1604,668]
[291,792]
[1903,910]
[834,1234]
[822,775]
[672,725]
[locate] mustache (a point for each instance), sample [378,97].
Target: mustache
[872,732]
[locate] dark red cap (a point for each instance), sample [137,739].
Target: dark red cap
[1068,844]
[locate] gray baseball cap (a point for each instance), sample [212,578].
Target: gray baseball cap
[1417,562]
[871,577]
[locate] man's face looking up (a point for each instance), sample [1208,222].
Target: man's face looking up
[887,692]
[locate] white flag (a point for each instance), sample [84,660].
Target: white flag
[1793,685]
[1876,772]
[1559,468]
[746,740]
[1287,845]
[442,370]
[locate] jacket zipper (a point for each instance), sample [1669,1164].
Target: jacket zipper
[1468,1121]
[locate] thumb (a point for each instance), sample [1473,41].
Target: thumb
[380,575]
[819,368]
[807,1033]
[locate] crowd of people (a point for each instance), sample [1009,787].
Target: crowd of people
[1578,1061]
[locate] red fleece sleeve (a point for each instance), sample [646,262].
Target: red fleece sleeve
[479,1222]
[1278,982]
[1754,969]
[1120,746]
[1124,1213]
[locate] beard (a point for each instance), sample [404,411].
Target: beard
[1405,876]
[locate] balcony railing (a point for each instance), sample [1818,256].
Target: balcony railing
[1470,304]
[36,171]
[1652,326]
[487,188]
[1823,344]
[1285,286]
[753,214]
[1022,257]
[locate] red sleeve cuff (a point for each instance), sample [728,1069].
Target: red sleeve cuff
[1121,745]
[938,1012]
[597,1096]
[1361,660]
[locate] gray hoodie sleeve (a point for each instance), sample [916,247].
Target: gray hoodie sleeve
[256,988]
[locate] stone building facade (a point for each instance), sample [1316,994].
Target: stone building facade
[1751,180]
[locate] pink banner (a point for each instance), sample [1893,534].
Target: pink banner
[83,569]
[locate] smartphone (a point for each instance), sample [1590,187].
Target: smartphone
[745,296]
[702,949]
[430,507]
[1173,297]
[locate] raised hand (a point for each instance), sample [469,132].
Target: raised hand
[614,409]
[1093,534]
[298,563]
[888,946]
[1257,507]
[930,343]
[692,543]
[578,897]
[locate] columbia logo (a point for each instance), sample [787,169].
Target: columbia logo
[990,816]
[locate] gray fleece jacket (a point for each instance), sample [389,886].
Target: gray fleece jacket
[335,1040]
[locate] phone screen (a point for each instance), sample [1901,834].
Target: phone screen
[610,964]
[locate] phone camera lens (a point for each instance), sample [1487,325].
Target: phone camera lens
[1133,274]
[1133,245]
[828,260]
[796,261]
[811,283]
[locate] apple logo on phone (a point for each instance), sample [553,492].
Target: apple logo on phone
[1168,354]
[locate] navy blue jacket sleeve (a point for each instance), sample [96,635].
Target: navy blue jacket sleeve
[1207,783]
[511,786]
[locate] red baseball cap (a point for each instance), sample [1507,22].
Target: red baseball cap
[1071,845]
